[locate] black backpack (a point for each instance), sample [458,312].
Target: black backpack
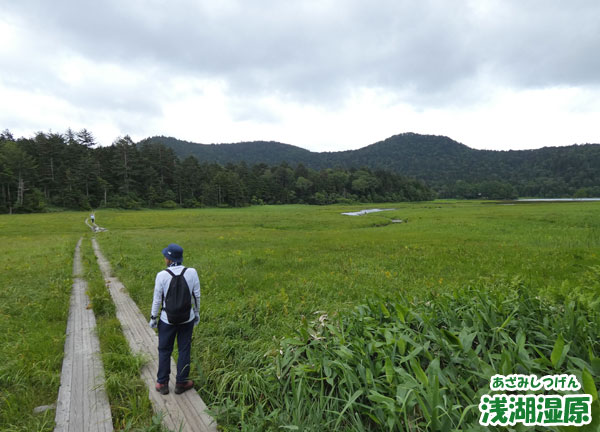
[178,300]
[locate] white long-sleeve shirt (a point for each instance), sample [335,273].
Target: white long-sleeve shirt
[161,287]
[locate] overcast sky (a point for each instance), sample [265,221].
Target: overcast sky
[325,75]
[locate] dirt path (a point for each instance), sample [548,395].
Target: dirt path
[185,411]
[82,402]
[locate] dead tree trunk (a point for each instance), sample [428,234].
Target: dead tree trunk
[20,191]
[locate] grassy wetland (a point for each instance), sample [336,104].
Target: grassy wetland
[311,320]
[35,280]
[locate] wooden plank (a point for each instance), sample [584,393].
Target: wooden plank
[185,412]
[82,402]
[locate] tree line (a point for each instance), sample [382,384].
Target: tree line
[454,170]
[451,169]
[53,170]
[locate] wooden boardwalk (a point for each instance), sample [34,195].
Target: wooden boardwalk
[93,226]
[82,402]
[185,412]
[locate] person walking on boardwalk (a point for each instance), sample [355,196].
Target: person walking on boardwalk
[177,296]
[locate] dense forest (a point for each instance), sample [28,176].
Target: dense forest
[452,169]
[71,171]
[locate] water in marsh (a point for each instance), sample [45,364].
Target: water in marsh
[363,212]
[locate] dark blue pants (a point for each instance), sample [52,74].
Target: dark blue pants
[166,340]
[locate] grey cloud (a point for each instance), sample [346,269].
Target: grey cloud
[544,43]
[143,96]
[39,69]
[427,51]
[249,110]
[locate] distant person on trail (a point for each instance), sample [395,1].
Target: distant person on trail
[177,297]
[93,218]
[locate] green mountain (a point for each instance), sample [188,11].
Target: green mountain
[255,152]
[440,161]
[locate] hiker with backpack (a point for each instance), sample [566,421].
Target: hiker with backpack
[177,296]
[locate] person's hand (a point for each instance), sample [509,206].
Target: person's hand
[153,323]
[196,318]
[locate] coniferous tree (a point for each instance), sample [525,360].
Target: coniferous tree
[18,175]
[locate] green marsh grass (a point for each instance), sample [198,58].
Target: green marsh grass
[424,363]
[36,267]
[265,270]
[36,261]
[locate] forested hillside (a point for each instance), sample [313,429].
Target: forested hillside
[270,153]
[70,171]
[451,168]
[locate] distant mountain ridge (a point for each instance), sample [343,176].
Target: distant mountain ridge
[253,152]
[438,160]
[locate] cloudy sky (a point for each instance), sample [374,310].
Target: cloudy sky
[325,75]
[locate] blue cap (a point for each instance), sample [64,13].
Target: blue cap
[173,252]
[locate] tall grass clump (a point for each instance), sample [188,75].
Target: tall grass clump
[418,364]
[127,393]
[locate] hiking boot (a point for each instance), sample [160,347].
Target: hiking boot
[183,386]
[163,389]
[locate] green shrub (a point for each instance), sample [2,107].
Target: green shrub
[191,203]
[404,364]
[169,204]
